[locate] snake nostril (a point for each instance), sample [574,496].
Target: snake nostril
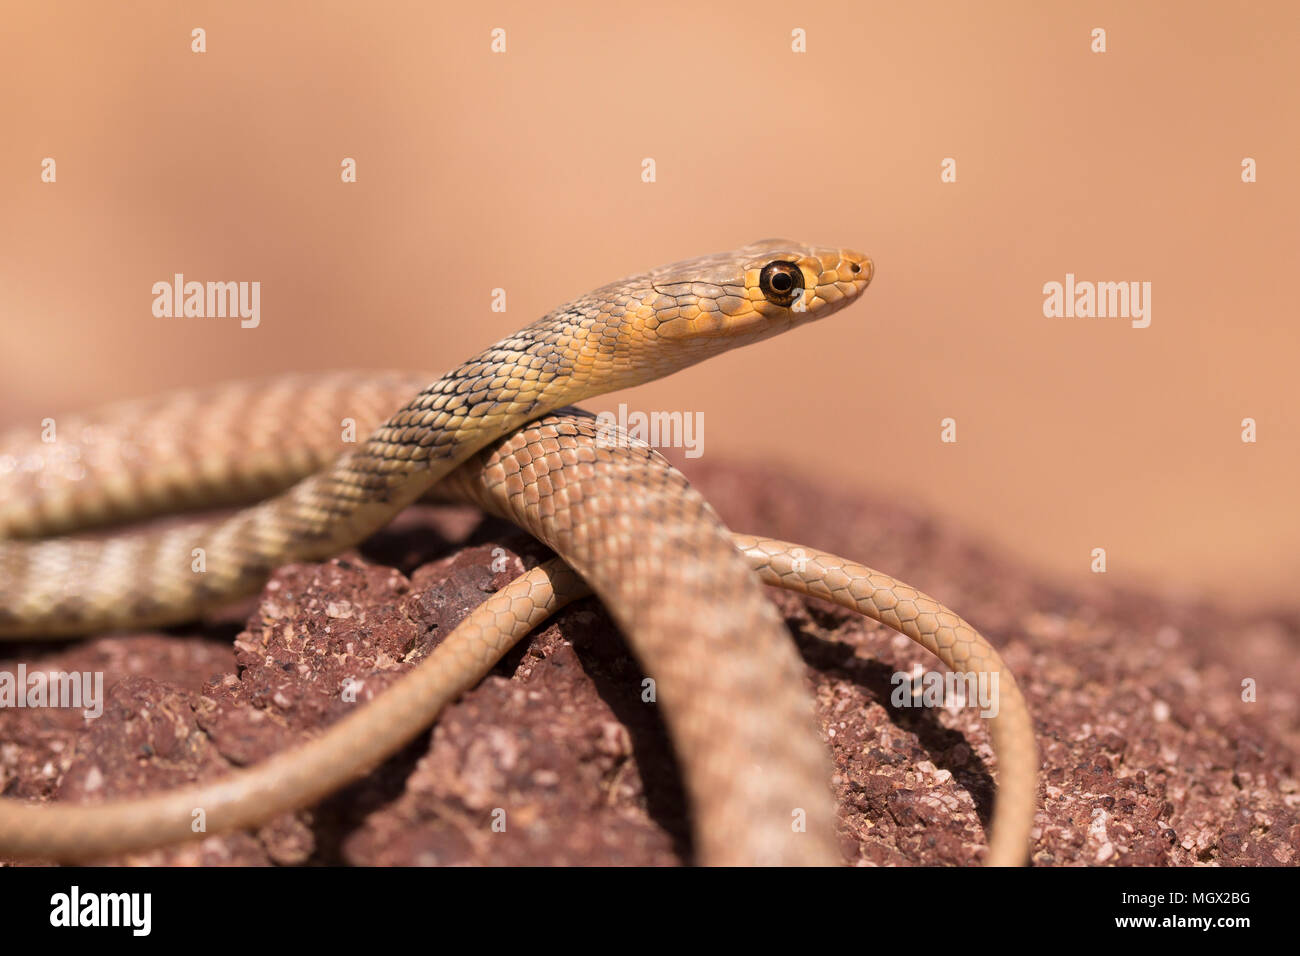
[860,268]
[856,267]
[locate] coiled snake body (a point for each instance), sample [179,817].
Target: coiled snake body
[681,587]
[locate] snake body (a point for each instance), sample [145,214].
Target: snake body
[731,686]
[623,334]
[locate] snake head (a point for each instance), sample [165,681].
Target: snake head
[751,293]
[651,325]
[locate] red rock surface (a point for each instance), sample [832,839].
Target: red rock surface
[1150,754]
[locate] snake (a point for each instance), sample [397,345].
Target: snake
[494,432]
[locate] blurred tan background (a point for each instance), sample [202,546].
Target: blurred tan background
[522,170]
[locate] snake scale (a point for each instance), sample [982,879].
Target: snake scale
[493,432]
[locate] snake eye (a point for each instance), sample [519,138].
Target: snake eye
[781,282]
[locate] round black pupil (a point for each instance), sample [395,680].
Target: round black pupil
[782,282]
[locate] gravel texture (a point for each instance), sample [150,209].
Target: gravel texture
[1150,754]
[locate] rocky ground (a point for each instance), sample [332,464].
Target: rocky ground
[1151,756]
